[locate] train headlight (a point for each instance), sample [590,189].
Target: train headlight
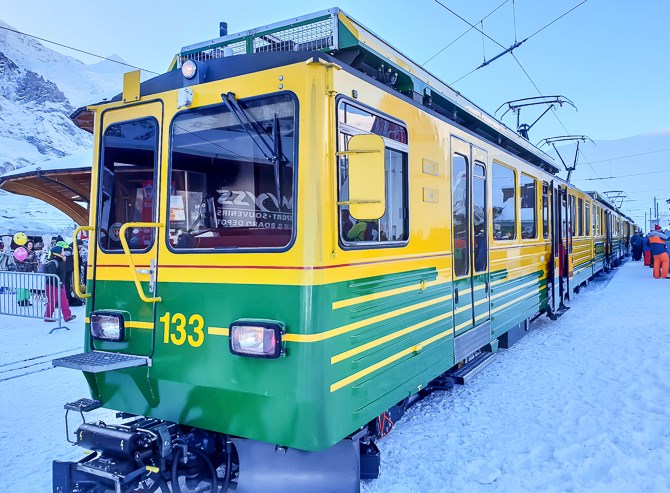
[188,69]
[107,326]
[256,338]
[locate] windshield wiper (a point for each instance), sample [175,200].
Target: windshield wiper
[272,150]
[258,137]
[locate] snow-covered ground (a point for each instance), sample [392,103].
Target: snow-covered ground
[578,405]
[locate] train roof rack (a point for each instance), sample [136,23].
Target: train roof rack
[334,32]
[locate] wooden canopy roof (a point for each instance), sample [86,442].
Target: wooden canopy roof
[66,188]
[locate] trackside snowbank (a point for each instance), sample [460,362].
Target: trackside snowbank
[578,405]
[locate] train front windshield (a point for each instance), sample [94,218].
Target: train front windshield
[232,175]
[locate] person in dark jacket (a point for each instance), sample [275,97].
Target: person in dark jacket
[636,245]
[659,251]
[56,265]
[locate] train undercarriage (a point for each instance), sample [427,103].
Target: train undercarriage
[142,454]
[150,455]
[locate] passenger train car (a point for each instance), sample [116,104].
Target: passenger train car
[296,232]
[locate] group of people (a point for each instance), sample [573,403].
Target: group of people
[654,249]
[59,262]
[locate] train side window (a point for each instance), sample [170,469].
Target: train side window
[479,217]
[580,215]
[392,228]
[503,196]
[545,210]
[127,183]
[573,222]
[587,217]
[460,214]
[528,207]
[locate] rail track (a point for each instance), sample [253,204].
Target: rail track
[29,366]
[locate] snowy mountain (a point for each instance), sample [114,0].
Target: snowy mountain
[39,89]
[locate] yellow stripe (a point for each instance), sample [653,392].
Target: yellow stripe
[139,325]
[362,323]
[485,314]
[525,271]
[501,307]
[131,324]
[520,286]
[464,324]
[384,294]
[482,301]
[462,309]
[385,362]
[217,331]
[352,352]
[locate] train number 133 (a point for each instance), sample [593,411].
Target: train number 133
[177,331]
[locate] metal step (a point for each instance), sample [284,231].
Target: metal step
[83,405]
[101,361]
[468,371]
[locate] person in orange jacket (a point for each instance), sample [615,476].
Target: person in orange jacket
[660,252]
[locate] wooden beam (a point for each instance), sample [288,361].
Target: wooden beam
[33,188]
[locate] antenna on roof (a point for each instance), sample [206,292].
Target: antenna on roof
[516,105]
[566,138]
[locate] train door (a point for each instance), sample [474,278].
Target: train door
[608,239]
[125,237]
[555,287]
[570,212]
[560,244]
[470,268]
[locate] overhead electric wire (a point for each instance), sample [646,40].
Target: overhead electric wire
[469,23]
[77,49]
[519,63]
[555,114]
[625,176]
[557,19]
[515,45]
[630,155]
[465,32]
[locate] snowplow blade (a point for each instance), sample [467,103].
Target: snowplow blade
[271,469]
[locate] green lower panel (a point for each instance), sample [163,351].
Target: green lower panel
[195,380]
[379,350]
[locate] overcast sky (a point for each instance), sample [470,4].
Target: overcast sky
[608,56]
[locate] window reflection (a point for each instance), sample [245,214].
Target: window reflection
[393,225]
[460,215]
[503,197]
[225,192]
[528,208]
[127,183]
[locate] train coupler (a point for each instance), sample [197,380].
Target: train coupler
[81,406]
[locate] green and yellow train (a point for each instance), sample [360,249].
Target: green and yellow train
[294,233]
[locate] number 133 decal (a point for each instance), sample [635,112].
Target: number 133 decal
[178,331]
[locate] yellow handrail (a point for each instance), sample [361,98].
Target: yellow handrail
[75,253]
[129,257]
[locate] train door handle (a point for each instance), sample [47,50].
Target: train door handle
[486,287]
[456,296]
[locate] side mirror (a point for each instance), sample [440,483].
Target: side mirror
[367,177]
